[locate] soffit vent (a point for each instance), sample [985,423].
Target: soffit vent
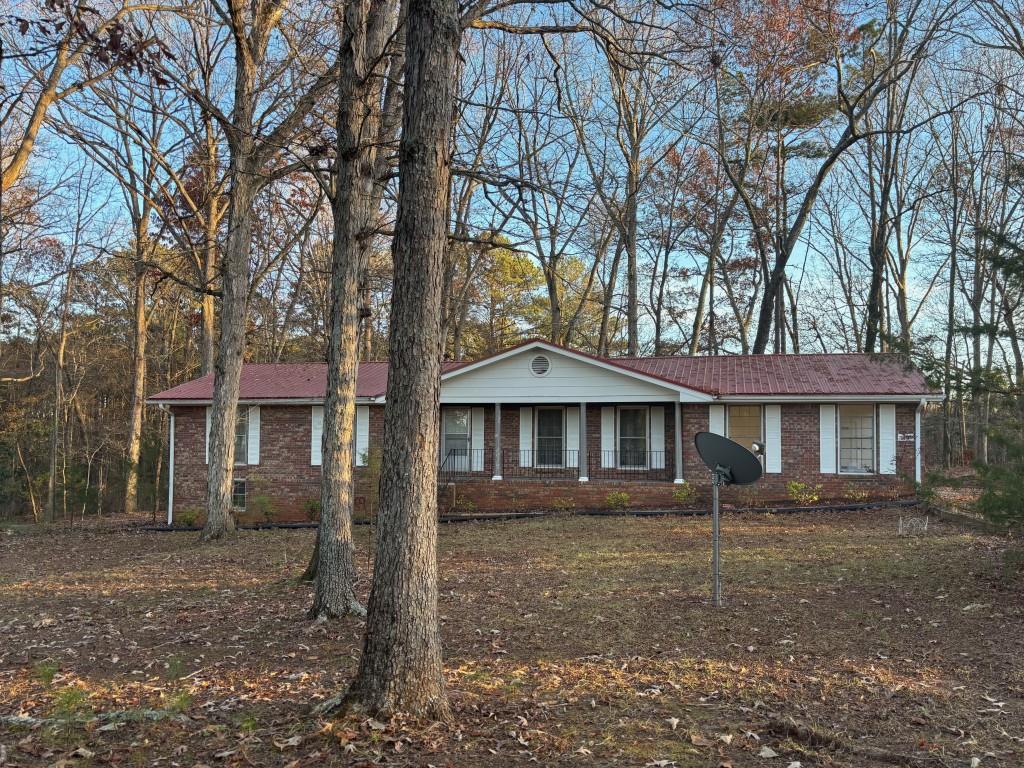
[540,365]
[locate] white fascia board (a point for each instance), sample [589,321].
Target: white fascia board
[691,395]
[554,399]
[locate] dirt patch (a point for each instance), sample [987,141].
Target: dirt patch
[582,641]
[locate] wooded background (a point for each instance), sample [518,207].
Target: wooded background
[760,176]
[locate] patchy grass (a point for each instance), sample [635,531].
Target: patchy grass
[568,641]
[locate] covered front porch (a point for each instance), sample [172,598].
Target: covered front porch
[545,412]
[583,441]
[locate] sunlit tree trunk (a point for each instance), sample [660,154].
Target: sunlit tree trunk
[400,669]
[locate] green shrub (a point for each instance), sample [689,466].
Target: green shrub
[617,500]
[188,517]
[1002,485]
[312,508]
[262,506]
[855,494]
[803,494]
[684,494]
[463,505]
[563,505]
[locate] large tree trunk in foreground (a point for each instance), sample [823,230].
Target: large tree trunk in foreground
[400,669]
[354,206]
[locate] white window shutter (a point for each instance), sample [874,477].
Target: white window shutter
[827,439]
[887,439]
[773,438]
[608,436]
[316,436]
[657,437]
[253,456]
[476,441]
[716,419]
[526,436]
[208,424]
[572,437]
[362,434]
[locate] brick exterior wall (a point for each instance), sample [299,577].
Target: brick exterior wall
[286,482]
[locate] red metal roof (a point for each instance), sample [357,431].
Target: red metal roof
[725,375]
[287,381]
[781,375]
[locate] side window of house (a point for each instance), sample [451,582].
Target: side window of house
[238,494]
[242,435]
[745,425]
[857,439]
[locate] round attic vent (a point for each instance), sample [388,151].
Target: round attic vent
[540,365]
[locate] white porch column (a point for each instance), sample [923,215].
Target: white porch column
[677,443]
[917,442]
[496,474]
[170,473]
[583,462]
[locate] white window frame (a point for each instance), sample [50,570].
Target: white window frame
[647,437]
[469,434]
[874,439]
[536,436]
[242,418]
[245,492]
[728,424]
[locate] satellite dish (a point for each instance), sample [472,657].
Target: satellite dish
[730,464]
[734,463]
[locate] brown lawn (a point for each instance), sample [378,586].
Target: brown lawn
[570,641]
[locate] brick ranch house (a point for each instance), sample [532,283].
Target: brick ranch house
[540,426]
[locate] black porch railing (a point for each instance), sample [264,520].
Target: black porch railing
[552,463]
[630,465]
[465,463]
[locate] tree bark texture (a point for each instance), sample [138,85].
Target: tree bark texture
[367,28]
[400,669]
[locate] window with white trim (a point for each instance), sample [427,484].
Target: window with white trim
[856,439]
[456,438]
[633,436]
[550,436]
[238,493]
[242,435]
[745,425]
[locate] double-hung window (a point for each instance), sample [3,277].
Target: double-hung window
[633,437]
[857,439]
[550,437]
[242,435]
[238,493]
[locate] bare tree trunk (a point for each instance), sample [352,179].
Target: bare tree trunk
[366,31]
[131,501]
[401,669]
[58,425]
[211,221]
[231,347]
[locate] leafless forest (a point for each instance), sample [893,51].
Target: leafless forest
[189,184]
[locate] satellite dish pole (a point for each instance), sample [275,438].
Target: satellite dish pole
[730,463]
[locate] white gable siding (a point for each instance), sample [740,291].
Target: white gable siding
[567,381]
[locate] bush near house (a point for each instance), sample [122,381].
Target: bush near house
[1002,496]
